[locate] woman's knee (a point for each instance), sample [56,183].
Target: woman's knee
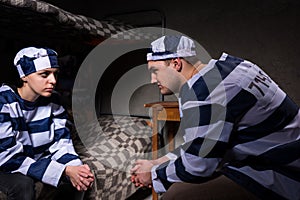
[24,187]
[24,183]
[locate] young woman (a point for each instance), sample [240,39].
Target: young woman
[35,144]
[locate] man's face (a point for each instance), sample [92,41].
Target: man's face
[165,76]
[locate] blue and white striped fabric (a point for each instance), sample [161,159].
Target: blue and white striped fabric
[239,122]
[34,139]
[171,46]
[31,59]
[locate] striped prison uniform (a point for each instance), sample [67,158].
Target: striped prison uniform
[34,139]
[239,123]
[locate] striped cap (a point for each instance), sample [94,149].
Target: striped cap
[171,46]
[31,59]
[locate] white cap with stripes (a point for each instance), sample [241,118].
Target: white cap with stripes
[171,46]
[32,59]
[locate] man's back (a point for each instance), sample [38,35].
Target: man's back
[235,107]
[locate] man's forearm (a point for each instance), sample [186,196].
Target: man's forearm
[160,160]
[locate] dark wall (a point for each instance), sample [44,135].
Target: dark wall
[264,31]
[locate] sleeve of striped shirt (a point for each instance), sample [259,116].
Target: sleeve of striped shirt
[62,150]
[205,144]
[16,150]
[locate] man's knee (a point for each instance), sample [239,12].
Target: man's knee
[174,192]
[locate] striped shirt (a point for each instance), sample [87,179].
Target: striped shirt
[34,139]
[238,122]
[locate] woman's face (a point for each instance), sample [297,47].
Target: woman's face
[40,83]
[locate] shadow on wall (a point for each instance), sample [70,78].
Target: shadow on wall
[125,87]
[120,81]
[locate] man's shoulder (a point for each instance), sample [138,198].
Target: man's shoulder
[230,58]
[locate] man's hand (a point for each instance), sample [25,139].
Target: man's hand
[141,173]
[81,176]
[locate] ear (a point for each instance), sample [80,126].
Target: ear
[177,64]
[24,79]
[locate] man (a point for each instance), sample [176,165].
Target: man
[241,131]
[35,144]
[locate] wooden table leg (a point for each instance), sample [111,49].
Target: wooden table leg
[163,111]
[171,134]
[154,144]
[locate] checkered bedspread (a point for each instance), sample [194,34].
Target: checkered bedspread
[124,140]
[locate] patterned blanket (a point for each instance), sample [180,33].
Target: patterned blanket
[124,140]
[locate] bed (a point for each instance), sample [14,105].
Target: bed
[122,138]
